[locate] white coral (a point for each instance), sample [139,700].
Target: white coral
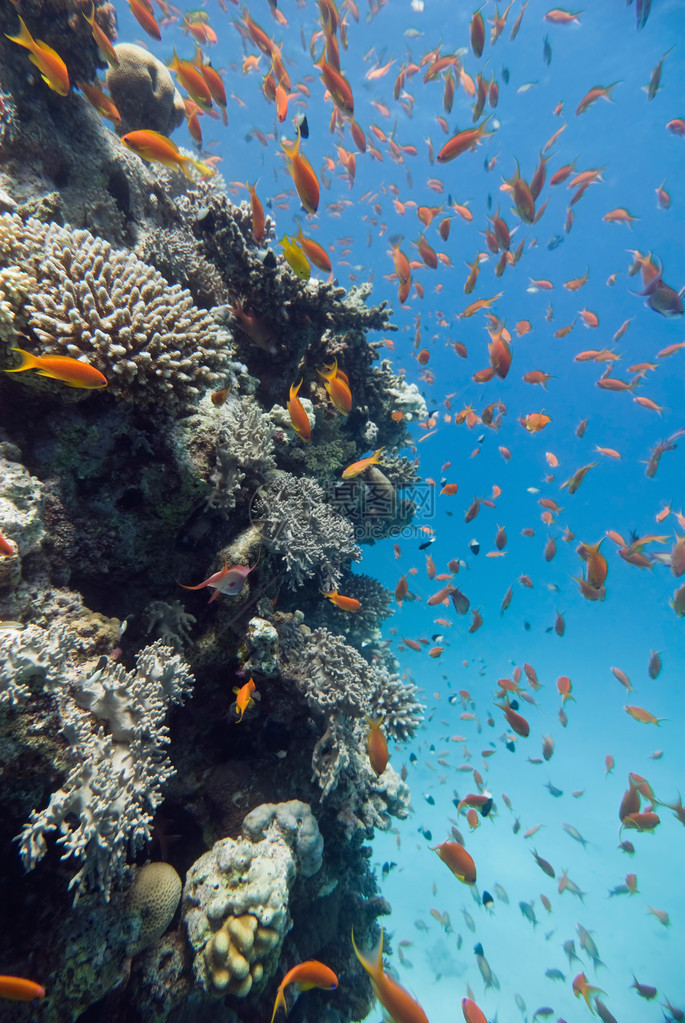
[103,304]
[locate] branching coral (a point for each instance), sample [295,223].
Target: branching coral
[341,689]
[114,723]
[173,251]
[102,304]
[299,527]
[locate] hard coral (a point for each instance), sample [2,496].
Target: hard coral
[143,92]
[236,898]
[153,898]
[95,302]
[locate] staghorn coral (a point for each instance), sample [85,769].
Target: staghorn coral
[236,897]
[114,723]
[300,527]
[103,304]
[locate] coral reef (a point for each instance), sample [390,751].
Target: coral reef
[235,900]
[143,91]
[94,302]
[108,500]
[115,777]
[300,528]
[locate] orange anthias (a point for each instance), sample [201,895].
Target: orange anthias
[337,385]
[71,372]
[243,698]
[455,856]
[52,68]
[341,601]
[298,416]
[304,977]
[377,746]
[306,181]
[398,1003]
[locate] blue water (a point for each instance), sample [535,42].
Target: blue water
[629,139]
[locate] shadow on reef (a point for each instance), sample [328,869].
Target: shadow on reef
[176,855]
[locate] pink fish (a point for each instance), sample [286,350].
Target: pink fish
[228,580]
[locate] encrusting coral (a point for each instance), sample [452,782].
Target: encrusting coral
[102,304]
[236,897]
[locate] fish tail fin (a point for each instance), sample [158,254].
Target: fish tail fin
[279,1004]
[24,38]
[203,168]
[28,361]
[379,454]
[90,18]
[199,585]
[373,962]
[375,722]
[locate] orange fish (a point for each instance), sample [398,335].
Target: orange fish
[157,148]
[583,989]
[358,467]
[341,601]
[314,252]
[102,40]
[52,68]
[304,977]
[243,698]
[535,421]
[17,989]
[458,860]
[337,385]
[143,13]
[298,416]
[306,181]
[377,746]
[72,372]
[598,92]
[98,99]
[463,140]
[398,1003]
[642,715]
[258,218]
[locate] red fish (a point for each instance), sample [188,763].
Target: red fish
[228,580]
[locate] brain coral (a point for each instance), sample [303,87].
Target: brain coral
[154,897]
[103,304]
